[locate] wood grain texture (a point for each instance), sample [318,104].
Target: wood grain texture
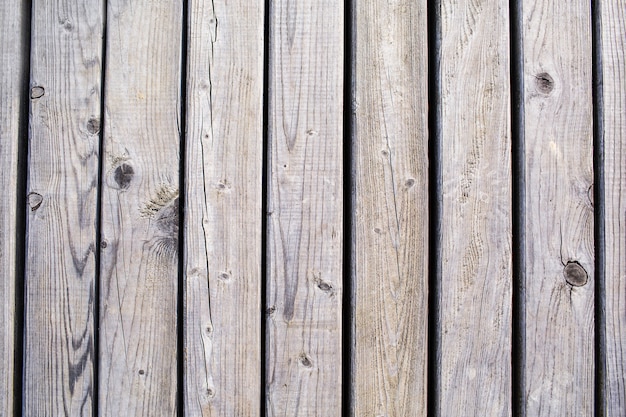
[614,94]
[223,208]
[559,321]
[390,235]
[11,57]
[62,189]
[305,208]
[476,284]
[140,209]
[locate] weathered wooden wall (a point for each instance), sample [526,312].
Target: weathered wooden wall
[280,208]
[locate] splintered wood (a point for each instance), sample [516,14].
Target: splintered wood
[140,209]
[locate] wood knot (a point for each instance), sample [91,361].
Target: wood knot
[409,183]
[34,201]
[93,126]
[37,92]
[575,274]
[544,83]
[123,175]
[305,360]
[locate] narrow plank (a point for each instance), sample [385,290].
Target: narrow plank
[614,94]
[304,289]
[559,321]
[139,261]
[62,188]
[11,58]
[224,157]
[390,235]
[475,294]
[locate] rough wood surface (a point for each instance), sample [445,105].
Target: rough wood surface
[390,236]
[62,189]
[139,263]
[223,208]
[614,93]
[476,284]
[305,208]
[11,50]
[559,368]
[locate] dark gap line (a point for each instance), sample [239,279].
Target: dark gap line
[434,206]
[265,175]
[518,330]
[180,319]
[21,207]
[599,207]
[347,343]
[98,253]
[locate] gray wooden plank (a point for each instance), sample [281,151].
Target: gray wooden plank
[613,17]
[559,245]
[390,236]
[139,259]
[62,188]
[476,284]
[224,156]
[305,208]
[11,59]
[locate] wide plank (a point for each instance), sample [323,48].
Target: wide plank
[558,234]
[613,17]
[140,209]
[62,187]
[476,266]
[12,50]
[304,288]
[223,183]
[390,203]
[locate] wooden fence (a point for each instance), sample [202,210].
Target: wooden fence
[313,208]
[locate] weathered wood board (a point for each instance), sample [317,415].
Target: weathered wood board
[140,209]
[476,265]
[66,65]
[11,60]
[613,21]
[390,201]
[224,157]
[559,245]
[304,288]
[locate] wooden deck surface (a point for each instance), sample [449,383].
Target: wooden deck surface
[313,208]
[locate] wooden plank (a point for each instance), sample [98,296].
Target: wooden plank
[66,65]
[613,17]
[223,208]
[559,321]
[305,208]
[476,284]
[139,261]
[11,58]
[390,235]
